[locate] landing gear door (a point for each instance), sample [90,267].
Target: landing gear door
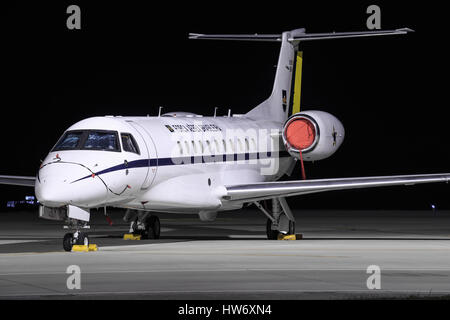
[151,155]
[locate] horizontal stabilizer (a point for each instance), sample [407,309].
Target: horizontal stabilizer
[298,35]
[242,37]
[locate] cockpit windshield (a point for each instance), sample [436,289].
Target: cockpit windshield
[89,140]
[101,141]
[69,141]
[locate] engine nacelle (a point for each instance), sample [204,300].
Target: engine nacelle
[317,134]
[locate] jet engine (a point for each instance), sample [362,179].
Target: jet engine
[317,134]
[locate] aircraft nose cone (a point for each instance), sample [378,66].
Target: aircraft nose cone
[53,192]
[58,185]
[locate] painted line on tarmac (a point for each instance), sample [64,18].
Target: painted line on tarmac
[237,291]
[2,242]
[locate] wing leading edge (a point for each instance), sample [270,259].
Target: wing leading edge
[18,181]
[270,190]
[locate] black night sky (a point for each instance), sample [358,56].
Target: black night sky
[391,93]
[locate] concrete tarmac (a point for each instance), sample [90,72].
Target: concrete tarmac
[230,258]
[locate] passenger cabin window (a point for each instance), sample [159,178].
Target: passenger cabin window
[231,145]
[217,147]
[88,140]
[240,144]
[254,144]
[129,144]
[209,147]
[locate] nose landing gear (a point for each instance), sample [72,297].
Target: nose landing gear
[71,239]
[76,238]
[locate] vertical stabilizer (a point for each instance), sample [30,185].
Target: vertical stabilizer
[285,96]
[286,93]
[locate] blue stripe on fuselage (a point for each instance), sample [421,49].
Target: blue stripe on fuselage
[160,162]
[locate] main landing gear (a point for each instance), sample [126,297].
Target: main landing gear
[281,221]
[143,224]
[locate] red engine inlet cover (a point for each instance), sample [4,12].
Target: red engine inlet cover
[300,133]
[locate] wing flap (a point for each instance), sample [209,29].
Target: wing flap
[269,190]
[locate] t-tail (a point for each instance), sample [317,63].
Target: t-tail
[286,93]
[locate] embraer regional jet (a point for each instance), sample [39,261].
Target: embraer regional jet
[188,163]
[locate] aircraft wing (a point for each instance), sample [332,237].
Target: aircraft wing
[269,190]
[18,180]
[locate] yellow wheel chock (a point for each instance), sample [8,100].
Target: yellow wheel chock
[131,236]
[84,248]
[290,236]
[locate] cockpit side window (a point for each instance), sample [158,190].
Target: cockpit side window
[129,144]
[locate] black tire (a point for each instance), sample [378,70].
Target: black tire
[291,227]
[152,228]
[271,234]
[148,233]
[156,226]
[83,239]
[67,242]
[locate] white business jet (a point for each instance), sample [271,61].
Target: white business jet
[188,163]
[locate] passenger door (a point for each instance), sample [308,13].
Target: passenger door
[150,161]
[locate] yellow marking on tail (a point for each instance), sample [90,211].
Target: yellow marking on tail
[297,83]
